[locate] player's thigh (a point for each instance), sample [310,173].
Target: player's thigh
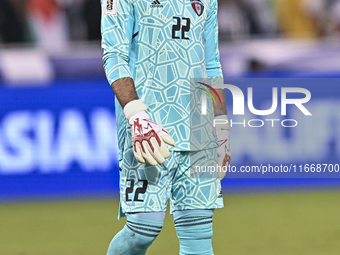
[143,187]
[196,184]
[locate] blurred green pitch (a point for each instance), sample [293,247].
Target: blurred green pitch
[264,224]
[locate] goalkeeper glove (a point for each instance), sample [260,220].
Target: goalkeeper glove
[148,137]
[223,151]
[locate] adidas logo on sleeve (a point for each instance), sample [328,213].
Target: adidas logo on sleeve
[156,4]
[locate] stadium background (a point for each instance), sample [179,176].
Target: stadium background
[58,155]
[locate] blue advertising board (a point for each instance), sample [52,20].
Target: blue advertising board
[57,141]
[60,140]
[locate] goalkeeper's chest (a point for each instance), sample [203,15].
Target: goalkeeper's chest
[177,19]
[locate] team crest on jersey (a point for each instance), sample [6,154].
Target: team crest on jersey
[198,6]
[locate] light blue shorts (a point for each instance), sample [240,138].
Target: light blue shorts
[147,188]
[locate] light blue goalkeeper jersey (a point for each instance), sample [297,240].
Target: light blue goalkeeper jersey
[161,45]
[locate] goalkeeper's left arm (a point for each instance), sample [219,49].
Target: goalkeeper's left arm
[214,70]
[222,133]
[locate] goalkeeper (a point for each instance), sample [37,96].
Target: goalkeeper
[151,52]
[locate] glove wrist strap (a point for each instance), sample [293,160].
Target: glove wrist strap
[134,107]
[222,122]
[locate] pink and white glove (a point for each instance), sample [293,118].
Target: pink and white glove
[148,137]
[223,151]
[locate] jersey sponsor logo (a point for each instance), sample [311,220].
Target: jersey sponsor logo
[156,4]
[198,6]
